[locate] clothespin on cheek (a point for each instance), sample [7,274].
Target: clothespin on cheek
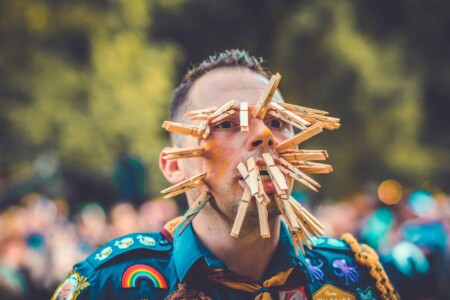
[179,153]
[184,186]
[243,116]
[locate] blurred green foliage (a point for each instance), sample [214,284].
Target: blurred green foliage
[93,80]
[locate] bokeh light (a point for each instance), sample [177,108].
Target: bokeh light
[390,191]
[420,202]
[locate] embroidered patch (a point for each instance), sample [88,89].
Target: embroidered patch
[135,274]
[124,243]
[296,293]
[331,292]
[367,294]
[146,240]
[341,269]
[71,287]
[336,243]
[103,254]
[316,270]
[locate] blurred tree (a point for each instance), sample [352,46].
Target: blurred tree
[82,78]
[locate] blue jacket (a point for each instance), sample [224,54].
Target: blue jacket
[153,266]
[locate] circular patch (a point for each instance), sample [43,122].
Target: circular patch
[67,289]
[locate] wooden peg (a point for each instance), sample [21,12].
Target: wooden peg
[223,115]
[274,172]
[289,116]
[184,186]
[304,155]
[299,138]
[314,168]
[227,106]
[290,214]
[179,153]
[253,173]
[262,105]
[242,210]
[195,209]
[299,242]
[261,196]
[183,129]
[243,116]
[263,219]
[206,133]
[206,111]
[253,186]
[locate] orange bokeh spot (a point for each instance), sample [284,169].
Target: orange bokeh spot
[390,191]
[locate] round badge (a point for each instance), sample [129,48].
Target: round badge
[67,289]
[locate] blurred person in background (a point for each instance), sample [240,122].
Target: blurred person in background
[154,214]
[123,220]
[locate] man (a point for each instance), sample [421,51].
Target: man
[205,261]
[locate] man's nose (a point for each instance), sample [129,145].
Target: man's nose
[260,136]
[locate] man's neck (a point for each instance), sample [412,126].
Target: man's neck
[248,255]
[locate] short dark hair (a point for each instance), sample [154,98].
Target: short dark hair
[227,59]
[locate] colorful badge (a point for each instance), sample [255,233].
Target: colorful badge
[146,240]
[331,292]
[124,243]
[103,254]
[135,274]
[336,243]
[296,293]
[341,269]
[316,270]
[71,287]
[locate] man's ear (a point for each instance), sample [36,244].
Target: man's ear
[170,168]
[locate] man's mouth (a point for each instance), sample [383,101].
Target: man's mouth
[266,180]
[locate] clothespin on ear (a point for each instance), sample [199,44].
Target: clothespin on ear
[179,153]
[243,116]
[288,116]
[194,210]
[300,155]
[201,114]
[242,210]
[183,129]
[262,105]
[298,175]
[184,186]
[224,111]
[299,138]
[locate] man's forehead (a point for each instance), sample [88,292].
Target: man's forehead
[222,85]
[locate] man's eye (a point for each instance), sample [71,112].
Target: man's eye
[274,123]
[225,125]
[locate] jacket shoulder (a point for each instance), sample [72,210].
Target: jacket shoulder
[131,244]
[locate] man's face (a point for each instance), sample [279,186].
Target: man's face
[227,146]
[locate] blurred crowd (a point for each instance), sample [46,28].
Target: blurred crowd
[41,238]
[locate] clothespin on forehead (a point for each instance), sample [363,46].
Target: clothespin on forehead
[262,105]
[243,116]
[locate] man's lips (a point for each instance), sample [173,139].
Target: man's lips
[268,185]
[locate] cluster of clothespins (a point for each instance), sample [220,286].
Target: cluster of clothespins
[293,162]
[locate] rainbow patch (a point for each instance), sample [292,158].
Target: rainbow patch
[133,276]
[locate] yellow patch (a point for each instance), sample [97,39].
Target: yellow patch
[331,292]
[71,287]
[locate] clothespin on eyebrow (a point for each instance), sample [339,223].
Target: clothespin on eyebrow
[288,116]
[183,129]
[242,210]
[223,110]
[299,138]
[314,168]
[262,105]
[298,175]
[184,186]
[299,155]
[179,153]
[201,114]
[243,116]
[194,210]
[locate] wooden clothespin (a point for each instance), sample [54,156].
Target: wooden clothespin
[262,105]
[201,114]
[222,110]
[184,186]
[242,210]
[275,173]
[179,153]
[288,116]
[308,220]
[298,175]
[255,180]
[314,168]
[251,183]
[263,219]
[183,129]
[243,116]
[304,155]
[194,210]
[299,138]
